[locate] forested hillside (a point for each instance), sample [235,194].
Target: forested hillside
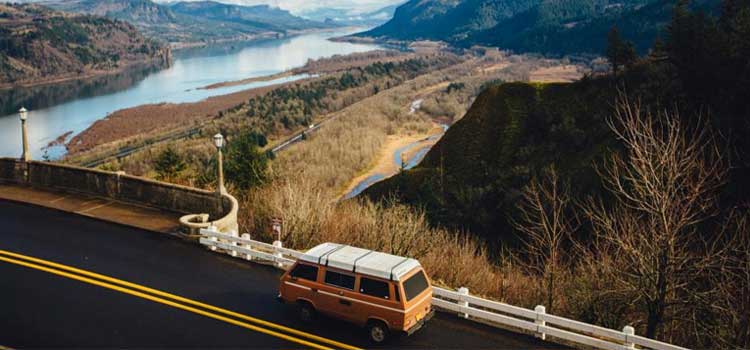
[619,199]
[38,44]
[473,177]
[550,27]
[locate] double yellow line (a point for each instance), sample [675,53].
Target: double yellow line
[217,313]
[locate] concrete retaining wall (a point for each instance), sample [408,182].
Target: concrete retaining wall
[121,187]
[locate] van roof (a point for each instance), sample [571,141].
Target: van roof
[364,261]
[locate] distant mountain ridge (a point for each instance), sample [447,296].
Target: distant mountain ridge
[189,23]
[544,26]
[346,17]
[41,45]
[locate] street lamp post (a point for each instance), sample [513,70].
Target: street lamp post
[219,143]
[23,114]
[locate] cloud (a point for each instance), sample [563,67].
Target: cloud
[301,6]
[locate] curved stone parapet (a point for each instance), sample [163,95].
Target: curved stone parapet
[228,222]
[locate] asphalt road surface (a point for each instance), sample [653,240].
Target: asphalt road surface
[214,301]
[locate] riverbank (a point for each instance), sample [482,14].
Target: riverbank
[89,74]
[153,118]
[397,149]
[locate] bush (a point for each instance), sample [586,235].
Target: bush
[246,164]
[168,165]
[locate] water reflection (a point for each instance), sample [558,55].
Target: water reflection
[43,96]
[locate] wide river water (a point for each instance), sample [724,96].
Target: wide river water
[72,107]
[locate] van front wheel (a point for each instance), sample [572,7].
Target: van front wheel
[377,331]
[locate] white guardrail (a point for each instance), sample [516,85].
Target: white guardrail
[536,321]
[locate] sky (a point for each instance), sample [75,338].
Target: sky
[301,6]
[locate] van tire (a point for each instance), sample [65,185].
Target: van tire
[377,331]
[306,312]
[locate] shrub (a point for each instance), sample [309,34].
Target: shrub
[168,165]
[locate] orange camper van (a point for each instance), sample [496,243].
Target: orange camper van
[382,292]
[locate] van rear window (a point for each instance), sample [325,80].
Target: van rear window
[307,272]
[414,285]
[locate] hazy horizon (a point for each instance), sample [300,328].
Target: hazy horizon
[302,6]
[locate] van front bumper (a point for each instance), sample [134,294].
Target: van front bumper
[417,326]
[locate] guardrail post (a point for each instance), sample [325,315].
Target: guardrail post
[234,233]
[213,238]
[247,236]
[278,254]
[540,312]
[463,303]
[629,332]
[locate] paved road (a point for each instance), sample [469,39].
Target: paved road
[43,309]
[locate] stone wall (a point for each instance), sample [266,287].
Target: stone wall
[121,187]
[12,170]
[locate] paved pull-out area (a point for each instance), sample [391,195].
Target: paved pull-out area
[43,305]
[103,209]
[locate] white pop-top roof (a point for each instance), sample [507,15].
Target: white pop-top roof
[364,261]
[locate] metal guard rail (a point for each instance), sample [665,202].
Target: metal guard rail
[535,321]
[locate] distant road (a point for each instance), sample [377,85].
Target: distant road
[44,308]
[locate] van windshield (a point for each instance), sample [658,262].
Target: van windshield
[415,285]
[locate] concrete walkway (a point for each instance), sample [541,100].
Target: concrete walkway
[103,209]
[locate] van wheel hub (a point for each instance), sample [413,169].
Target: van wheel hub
[377,334]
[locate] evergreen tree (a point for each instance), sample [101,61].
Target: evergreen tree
[169,164]
[619,52]
[246,164]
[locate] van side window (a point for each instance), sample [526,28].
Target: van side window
[374,288]
[397,292]
[307,272]
[340,280]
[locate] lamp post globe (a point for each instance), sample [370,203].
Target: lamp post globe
[23,113]
[218,141]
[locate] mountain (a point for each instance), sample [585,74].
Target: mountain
[544,26]
[191,23]
[38,44]
[348,18]
[138,12]
[260,16]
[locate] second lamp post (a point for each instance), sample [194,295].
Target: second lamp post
[219,143]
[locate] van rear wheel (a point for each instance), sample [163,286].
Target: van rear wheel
[306,312]
[377,332]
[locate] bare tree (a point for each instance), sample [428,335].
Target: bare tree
[665,184]
[723,314]
[546,223]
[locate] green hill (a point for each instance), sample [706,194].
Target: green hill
[38,44]
[471,179]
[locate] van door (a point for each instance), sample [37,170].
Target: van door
[378,302]
[336,293]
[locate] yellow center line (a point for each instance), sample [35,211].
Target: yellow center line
[171,296]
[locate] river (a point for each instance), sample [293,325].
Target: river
[74,106]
